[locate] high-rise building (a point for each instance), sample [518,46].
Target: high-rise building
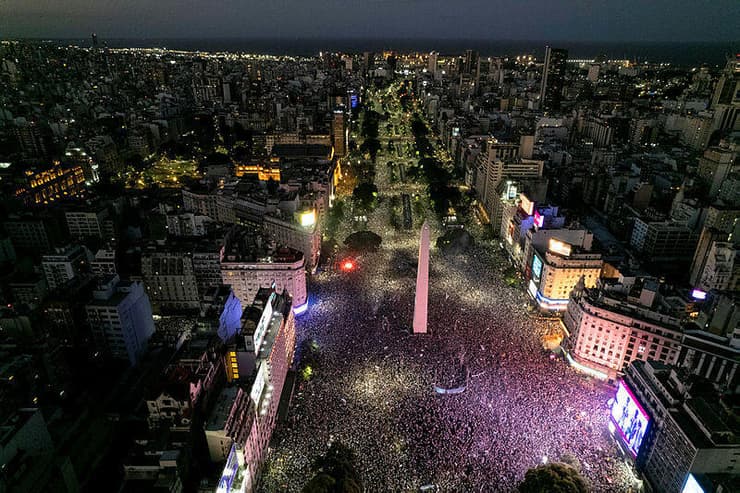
[432,63]
[715,166]
[663,240]
[90,222]
[727,90]
[339,132]
[553,74]
[64,265]
[170,279]
[615,324]
[120,317]
[675,428]
[557,267]
[247,266]
[259,358]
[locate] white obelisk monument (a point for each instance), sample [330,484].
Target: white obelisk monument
[422,283]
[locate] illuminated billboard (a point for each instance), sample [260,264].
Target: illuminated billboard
[629,418]
[692,485]
[557,246]
[353,101]
[698,294]
[308,219]
[539,219]
[536,269]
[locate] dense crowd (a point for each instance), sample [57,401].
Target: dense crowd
[374,385]
[373,388]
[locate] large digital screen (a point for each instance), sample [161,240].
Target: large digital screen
[698,294]
[629,418]
[536,269]
[692,485]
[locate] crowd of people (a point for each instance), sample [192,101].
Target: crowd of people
[375,386]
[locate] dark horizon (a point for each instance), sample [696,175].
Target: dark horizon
[691,53]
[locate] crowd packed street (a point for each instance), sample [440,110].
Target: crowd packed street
[374,385]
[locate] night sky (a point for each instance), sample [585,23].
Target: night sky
[575,20]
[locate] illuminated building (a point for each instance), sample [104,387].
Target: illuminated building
[553,73]
[520,211]
[44,186]
[615,324]
[689,431]
[340,133]
[120,317]
[259,358]
[556,265]
[299,234]
[432,63]
[65,264]
[269,170]
[249,263]
[220,312]
[500,161]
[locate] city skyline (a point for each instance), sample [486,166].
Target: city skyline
[374,264]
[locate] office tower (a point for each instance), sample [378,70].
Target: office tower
[339,131]
[432,62]
[120,317]
[94,41]
[553,73]
[715,166]
[727,90]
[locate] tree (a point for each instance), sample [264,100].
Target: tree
[363,241]
[365,195]
[554,477]
[335,472]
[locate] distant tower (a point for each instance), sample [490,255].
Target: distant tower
[432,63]
[552,78]
[422,283]
[94,41]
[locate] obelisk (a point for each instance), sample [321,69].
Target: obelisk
[422,283]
